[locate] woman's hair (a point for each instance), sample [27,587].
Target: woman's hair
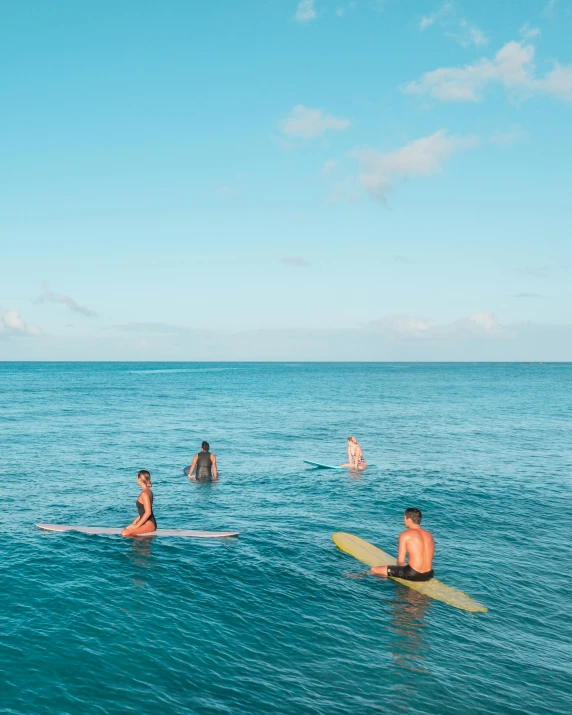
[351,438]
[145,477]
[205,446]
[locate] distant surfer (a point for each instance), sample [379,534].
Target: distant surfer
[418,544]
[145,522]
[355,455]
[205,464]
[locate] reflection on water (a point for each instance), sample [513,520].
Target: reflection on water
[408,646]
[141,552]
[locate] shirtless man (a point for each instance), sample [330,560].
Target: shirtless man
[418,544]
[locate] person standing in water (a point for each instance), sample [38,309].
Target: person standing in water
[355,455]
[205,464]
[416,542]
[145,522]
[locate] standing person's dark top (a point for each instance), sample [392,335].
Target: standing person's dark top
[205,464]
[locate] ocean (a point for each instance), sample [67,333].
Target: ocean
[273,621]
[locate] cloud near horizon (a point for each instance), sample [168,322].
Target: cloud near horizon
[48,296]
[392,338]
[420,157]
[398,258]
[306,123]
[403,327]
[149,328]
[12,324]
[512,68]
[294,261]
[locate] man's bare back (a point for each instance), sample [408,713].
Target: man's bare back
[415,543]
[419,545]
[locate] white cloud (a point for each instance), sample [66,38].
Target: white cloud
[420,157]
[407,328]
[477,37]
[528,33]
[48,296]
[295,261]
[393,338]
[557,83]
[458,28]
[12,324]
[309,123]
[149,328]
[305,11]
[426,22]
[486,321]
[341,10]
[513,135]
[512,67]
[343,192]
[534,271]
[329,166]
[446,10]
[404,327]
[549,9]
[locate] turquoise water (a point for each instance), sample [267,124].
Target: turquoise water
[271,622]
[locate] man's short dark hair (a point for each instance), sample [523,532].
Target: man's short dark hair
[205,446]
[413,514]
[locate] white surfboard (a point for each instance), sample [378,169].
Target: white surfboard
[320,465]
[160,532]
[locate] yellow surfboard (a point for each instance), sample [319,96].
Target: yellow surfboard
[372,556]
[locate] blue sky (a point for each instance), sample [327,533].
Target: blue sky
[367,180]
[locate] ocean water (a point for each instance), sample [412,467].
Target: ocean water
[273,622]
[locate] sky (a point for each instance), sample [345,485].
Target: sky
[286,180]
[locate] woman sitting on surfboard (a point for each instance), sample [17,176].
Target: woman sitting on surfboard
[145,522]
[355,455]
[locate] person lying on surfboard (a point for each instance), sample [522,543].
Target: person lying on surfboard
[418,544]
[205,464]
[145,522]
[355,455]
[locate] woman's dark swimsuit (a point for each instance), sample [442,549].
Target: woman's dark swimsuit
[141,510]
[204,465]
[409,574]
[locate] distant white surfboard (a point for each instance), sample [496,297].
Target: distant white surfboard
[190,533]
[320,465]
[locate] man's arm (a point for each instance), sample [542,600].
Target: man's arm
[214,469]
[402,549]
[193,465]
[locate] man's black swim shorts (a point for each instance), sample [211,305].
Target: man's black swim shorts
[409,574]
